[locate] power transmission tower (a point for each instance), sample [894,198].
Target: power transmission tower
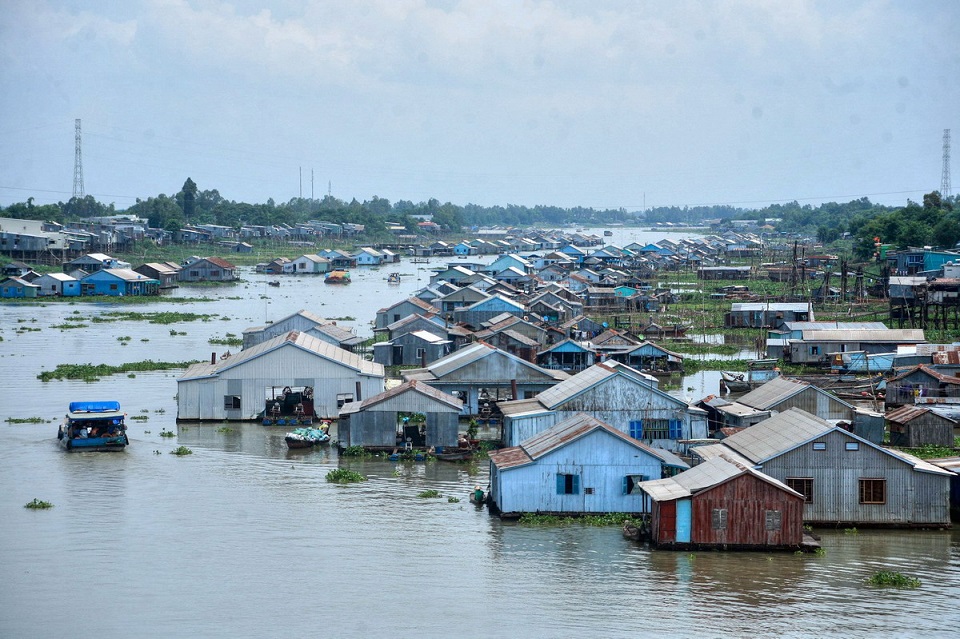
[77,165]
[945,178]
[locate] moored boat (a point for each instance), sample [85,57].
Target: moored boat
[339,276]
[393,278]
[94,426]
[759,372]
[454,454]
[306,437]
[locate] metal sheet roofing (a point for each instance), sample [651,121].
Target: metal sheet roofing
[778,434]
[710,473]
[869,335]
[412,386]
[799,307]
[778,390]
[301,340]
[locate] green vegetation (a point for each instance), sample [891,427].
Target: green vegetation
[890,579]
[453,500]
[851,531]
[355,451]
[607,519]
[26,420]
[180,451]
[92,373]
[66,326]
[344,476]
[224,429]
[229,340]
[37,504]
[139,418]
[429,494]
[167,433]
[931,451]
[165,317]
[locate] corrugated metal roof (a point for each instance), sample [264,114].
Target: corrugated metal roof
[518,407]
[412,386]
[780,389]
[797,307]
[577,426]
[906,413]
[874,335]
[946,379]
[301,340]
[780,433]
[945,357]
[710,473]
[929,349]
[739,410]
[826,326]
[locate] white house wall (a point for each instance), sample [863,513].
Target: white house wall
[286,366]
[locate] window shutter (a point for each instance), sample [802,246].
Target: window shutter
[560,484]
[576,484]
[626,485]
[676,429]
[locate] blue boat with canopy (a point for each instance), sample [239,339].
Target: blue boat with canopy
[94,426]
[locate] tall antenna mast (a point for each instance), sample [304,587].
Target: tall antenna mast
[77,164]
[945,189]
[329,187]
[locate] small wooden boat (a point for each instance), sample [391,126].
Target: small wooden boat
[420,260]
[274,283]
[306,437]
[455,454]
[339,276]
[608,233]
[759,372]
[393,278]
[94,426]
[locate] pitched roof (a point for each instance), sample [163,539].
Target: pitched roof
[780,389]
[468,355]
[782,432]
[908,413]
[298,339]
[566,431]
[712,472]
[946,379]
[413,386]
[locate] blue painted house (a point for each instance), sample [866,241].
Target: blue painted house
[16,287]
[118,282]
[567,355]
[580,465]
[476,314]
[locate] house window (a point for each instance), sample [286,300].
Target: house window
[852,446]
[421,352]
[803,485]
[630,484]
[113,287]
[231,402]
[676,429]
[194,273]
[654,429]
[568,484]
[214,273]
[814,350]
[772,519]
[718,518]
[636,429]
[873,491]
[819,445]
[396,317]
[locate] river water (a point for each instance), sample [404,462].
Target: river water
[244,538]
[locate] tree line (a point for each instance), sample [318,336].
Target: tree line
[933,222]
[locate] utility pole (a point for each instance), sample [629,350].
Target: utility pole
[77,164]
[945,189]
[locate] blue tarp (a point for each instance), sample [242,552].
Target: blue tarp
[94,407]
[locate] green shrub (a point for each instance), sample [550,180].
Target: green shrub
[430,494]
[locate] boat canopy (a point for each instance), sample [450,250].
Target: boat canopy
[94,407]
[112,415]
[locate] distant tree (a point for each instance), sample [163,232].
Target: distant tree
[946,233]
[189,202]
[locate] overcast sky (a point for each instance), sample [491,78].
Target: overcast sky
[587,103]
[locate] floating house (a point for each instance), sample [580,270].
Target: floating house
[118,282]
[622,397]
[567,355]
[767,314]
[580,465]
[783,393]
[310,264]
[922,385]
[415,348]
[305,322]
[915,426]
[845,479]
[482,376]
[402,309]
[15,287]
[163,272]
[209,269]
[57,284]
[649,357]
[239,387]
[722,504]
[378,421]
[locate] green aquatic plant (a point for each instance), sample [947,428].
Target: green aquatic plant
[851,531]
[167,433]
[224,429]
[355,451]
[226,341]
[37,504]
[26,420]
[891,579]
[65,327]
[181,451]
[453,500]
[344,476]
[93,372]
[429,494]
[139,418]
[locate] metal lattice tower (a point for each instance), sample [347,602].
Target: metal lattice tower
[945,189]
[77,165]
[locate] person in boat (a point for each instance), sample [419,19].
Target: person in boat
[275,411]
[478,494]
[82,432]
